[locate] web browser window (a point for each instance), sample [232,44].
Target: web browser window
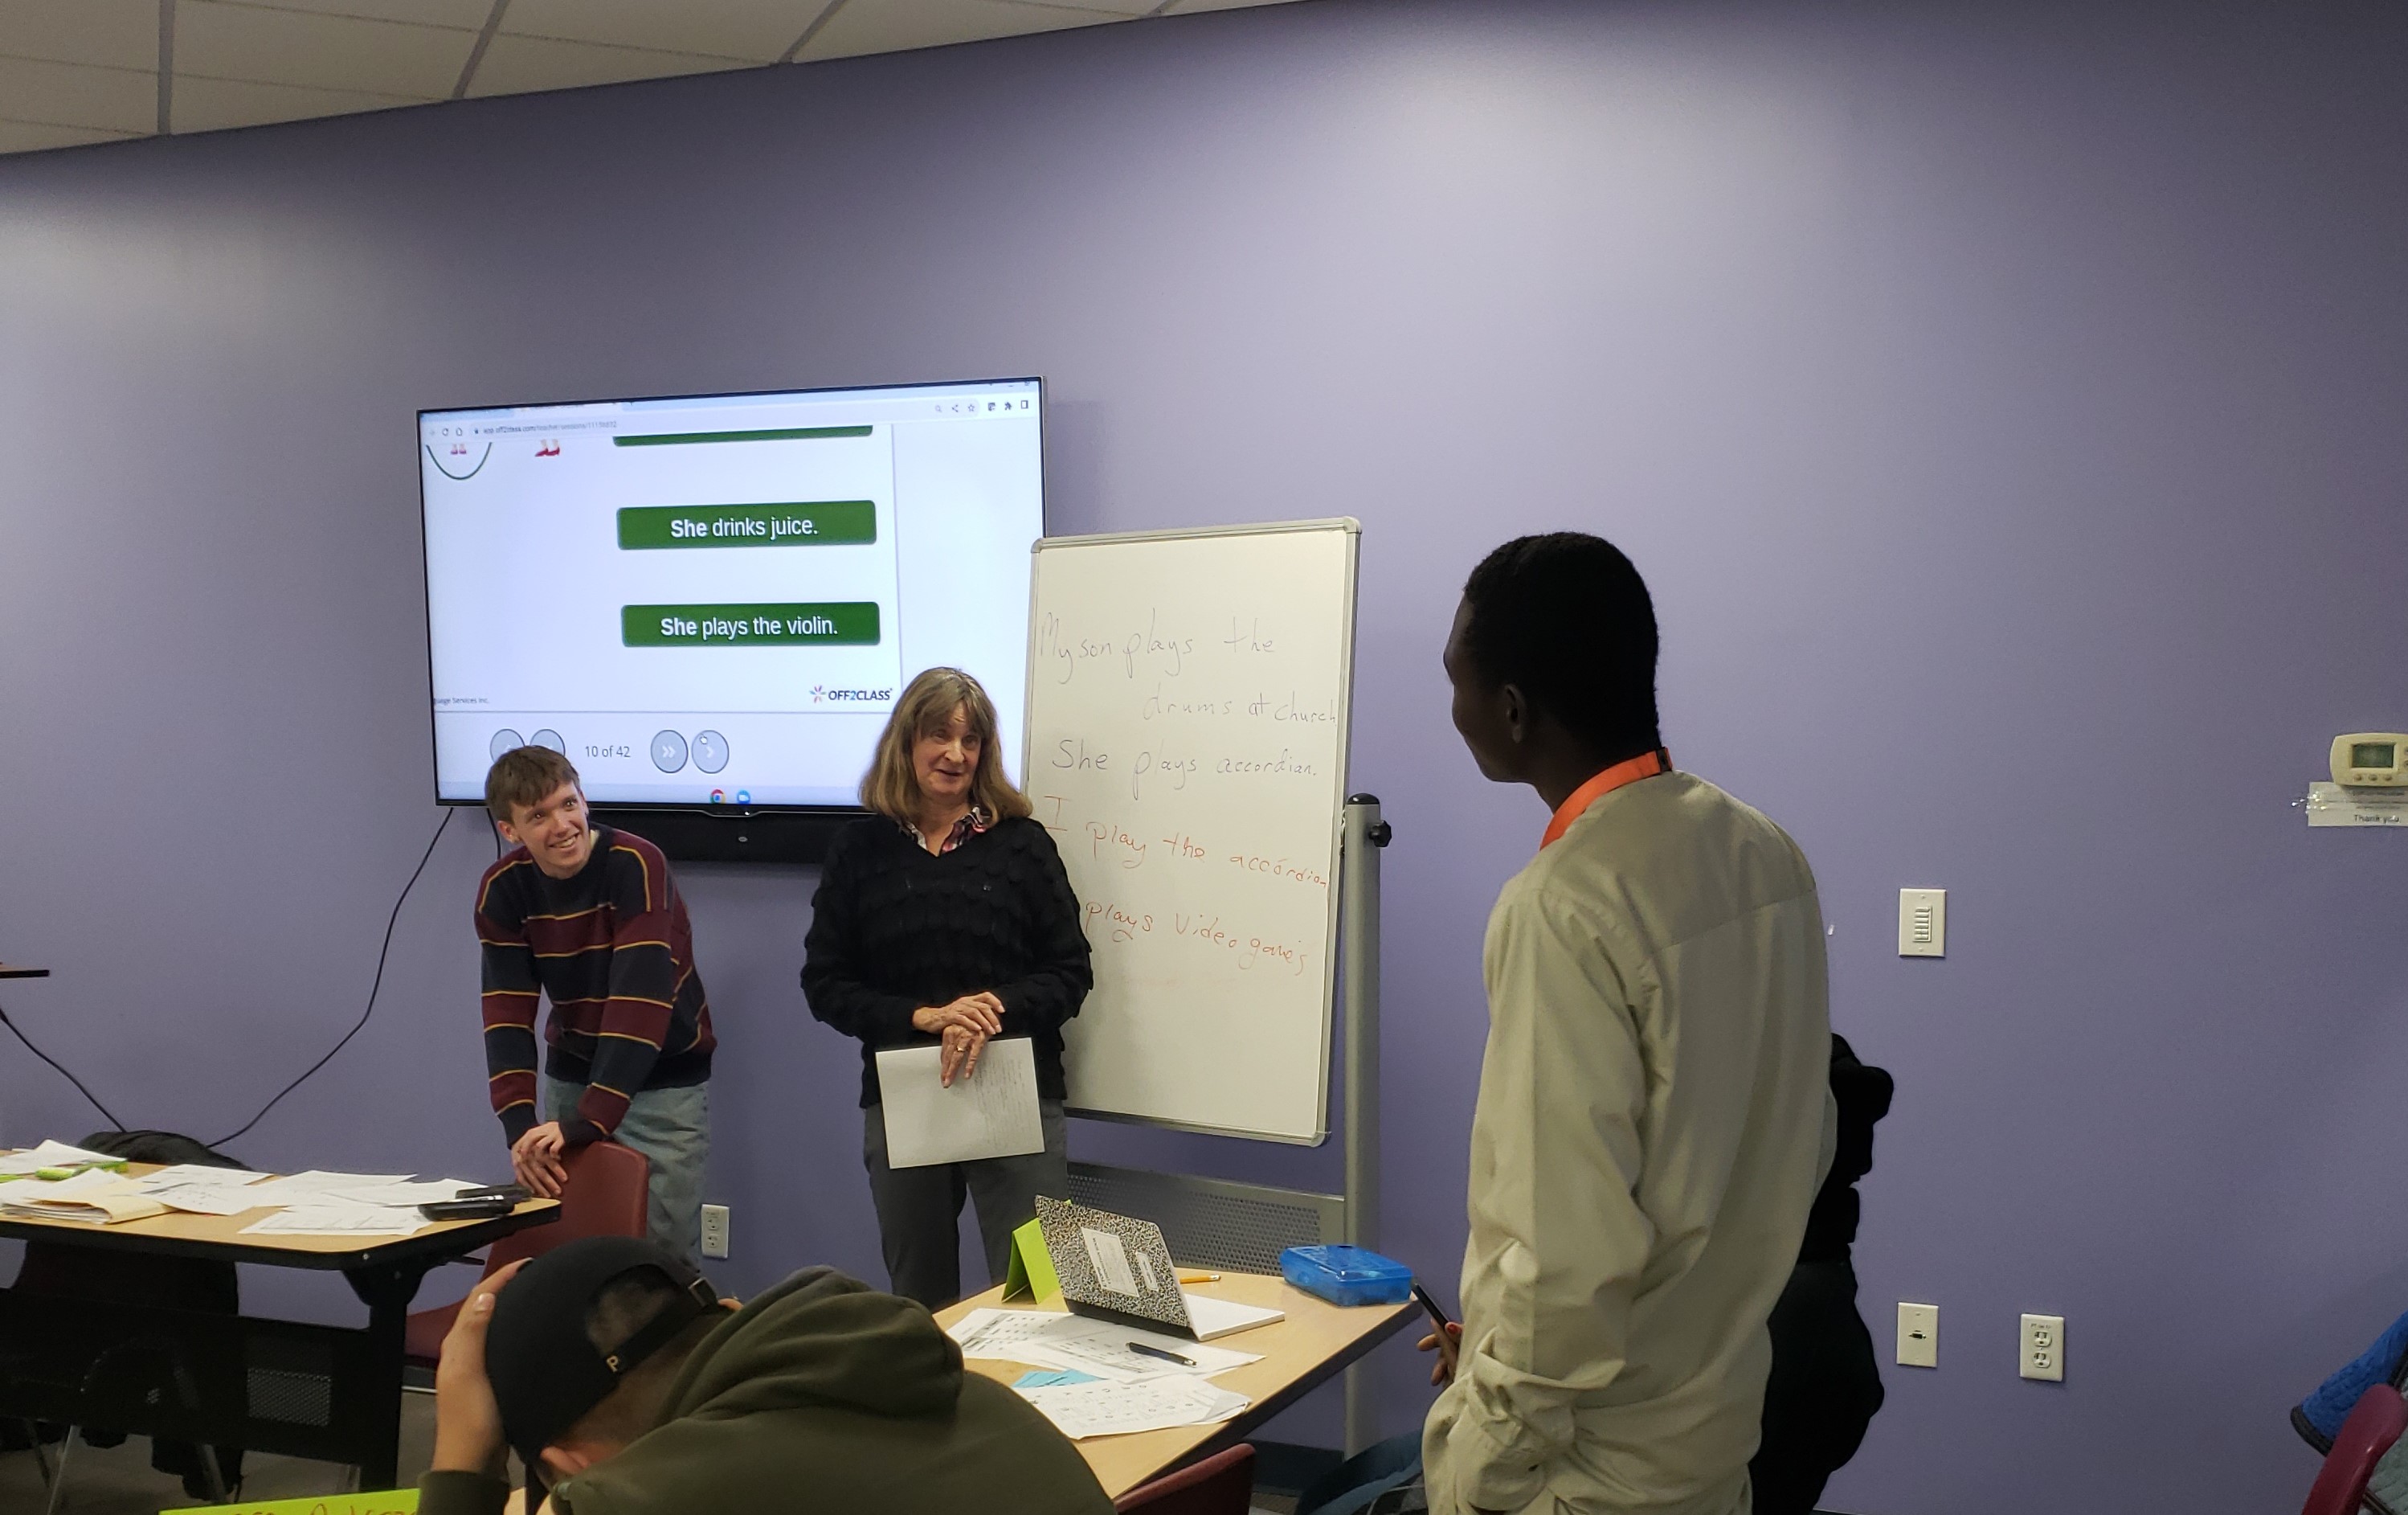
[718,598]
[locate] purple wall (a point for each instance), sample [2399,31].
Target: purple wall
[2006,408]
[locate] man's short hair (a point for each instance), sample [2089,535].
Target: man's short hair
[1567,619]
[626,1305]
[522,776]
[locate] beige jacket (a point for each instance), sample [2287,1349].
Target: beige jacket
[1654,1119]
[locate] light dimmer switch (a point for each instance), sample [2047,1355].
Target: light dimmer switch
[1923,923]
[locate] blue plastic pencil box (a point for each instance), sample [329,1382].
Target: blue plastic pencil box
[1347,1274]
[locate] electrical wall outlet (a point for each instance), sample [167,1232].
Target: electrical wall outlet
[714,1231]
[1918,1336]
[1923,923]
[2044,1348]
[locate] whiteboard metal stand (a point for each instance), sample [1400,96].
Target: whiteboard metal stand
[1358,928]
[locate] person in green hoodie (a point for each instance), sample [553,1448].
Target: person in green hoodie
[614,1368]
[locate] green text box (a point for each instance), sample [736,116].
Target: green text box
[827,523]
[691,439]
[841,622]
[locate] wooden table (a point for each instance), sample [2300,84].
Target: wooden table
[307,1391]
[1310,1347]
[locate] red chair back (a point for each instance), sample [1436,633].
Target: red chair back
[1221,1484]
[2381,1415]
[604,1196]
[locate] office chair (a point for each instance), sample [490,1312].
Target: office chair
[2380,1415]
[604,1196]
[1221,1484]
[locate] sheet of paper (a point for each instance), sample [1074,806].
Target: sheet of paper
[1216,1317]
[50,1155]
[1051,1380]
[1109,1410]
[201,1199]
[1102,1347]
[991,1114]
[339,1221]
[1078,1343]
[1000,1334]
[315,1185]
[406,1196]
[197,1189]
[201,1173]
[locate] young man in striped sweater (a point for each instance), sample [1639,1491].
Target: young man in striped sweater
[591,917]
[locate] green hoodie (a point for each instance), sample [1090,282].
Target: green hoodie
[821,1394]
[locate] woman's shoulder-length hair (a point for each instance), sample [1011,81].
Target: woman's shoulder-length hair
[892,789]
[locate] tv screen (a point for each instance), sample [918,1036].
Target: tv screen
[716,600]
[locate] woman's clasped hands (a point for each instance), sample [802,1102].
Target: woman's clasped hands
[963,1027]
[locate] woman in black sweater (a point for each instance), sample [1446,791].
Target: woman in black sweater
[946,917]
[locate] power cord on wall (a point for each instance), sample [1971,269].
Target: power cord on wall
[374,985]
[62,1071]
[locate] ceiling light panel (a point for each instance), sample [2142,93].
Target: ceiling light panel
[112,33]
[261,46]
[865,26]
[756,30]
[517,64]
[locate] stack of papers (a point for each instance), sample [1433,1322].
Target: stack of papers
[312,1204]
[94,1196]
[1081,1410]
[1100,1386]
[1100,1349]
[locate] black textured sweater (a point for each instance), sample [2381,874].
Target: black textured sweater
[895,929]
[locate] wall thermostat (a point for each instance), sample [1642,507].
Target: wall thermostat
[2371,760]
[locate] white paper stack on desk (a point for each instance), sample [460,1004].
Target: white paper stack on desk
[1132,1391]
[312,1204]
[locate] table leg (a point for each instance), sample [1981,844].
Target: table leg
[386,1290]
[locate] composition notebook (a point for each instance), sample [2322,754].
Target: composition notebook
[1116,1267]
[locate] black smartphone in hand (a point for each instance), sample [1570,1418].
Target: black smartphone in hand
[1438,1317]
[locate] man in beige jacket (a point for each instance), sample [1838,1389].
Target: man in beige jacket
[1653,1115]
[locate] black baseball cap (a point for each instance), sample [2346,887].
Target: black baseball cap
[545,1371]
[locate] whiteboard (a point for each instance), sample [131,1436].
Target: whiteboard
[1186,746]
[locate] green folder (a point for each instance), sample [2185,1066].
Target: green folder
[1031,1273]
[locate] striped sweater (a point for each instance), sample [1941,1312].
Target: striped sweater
[612,950]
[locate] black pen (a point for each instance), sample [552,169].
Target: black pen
[1143,1349]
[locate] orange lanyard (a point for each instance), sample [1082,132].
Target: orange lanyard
[1629,771]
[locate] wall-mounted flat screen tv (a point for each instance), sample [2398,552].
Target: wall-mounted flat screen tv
[714,601]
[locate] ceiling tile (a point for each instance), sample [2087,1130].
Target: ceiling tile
[467,15]
[26,136]
[210,105]
[120,34]
[757,31]
[322,53]
[71,94]
[516,64]
[865,26]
